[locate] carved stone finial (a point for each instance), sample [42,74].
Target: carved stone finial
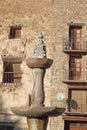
[40,49]
[40,35]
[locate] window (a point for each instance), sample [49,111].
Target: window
[15,32]
[77,100]
[75,33]
[75,67]
[6,126]
[11,71]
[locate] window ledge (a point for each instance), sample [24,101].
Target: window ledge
[74,118]
[11,84]
[14,59]
[75,81]
[9,87]
[75,24]
[84,52]
[76,113]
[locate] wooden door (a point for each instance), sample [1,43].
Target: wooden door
[83,128]
[71,125]
[75,68]
[75,126]
[79,126]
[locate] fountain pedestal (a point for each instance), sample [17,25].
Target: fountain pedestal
[37,124]
[37,114]
[38,66]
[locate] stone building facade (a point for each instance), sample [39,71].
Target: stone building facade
[64,26]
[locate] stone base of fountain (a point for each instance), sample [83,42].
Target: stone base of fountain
[38,111]
[37,117]
[37,114]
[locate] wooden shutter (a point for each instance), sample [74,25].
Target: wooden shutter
[75,68]
[78,68]
[71,68]
[78,101]
[17,72]
[17,33]
[77,38]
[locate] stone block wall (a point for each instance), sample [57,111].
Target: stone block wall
[51,17]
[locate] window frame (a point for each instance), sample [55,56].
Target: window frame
[15,32]
[11,75]
[73,37]
[77,100]
[73,66]
[6,126]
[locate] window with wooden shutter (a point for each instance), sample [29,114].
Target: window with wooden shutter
[7,72]
[78,100]
[75,67]
[15,32]
[75,33]
[17,74]
[11,72]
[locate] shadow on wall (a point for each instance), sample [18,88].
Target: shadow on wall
[72,104]
[5,119]
[16,127]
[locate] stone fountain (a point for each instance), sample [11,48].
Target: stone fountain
[37,114]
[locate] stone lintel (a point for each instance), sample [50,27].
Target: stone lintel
[75,24]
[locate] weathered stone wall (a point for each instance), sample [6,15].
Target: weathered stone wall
[34,17]
[49,17]
[65,12]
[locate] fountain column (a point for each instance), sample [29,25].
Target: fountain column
[37,114]
[38,89]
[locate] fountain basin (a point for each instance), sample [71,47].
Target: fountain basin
[38,111]
[38,62]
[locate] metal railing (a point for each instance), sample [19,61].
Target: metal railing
[71,46]
[69,75]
